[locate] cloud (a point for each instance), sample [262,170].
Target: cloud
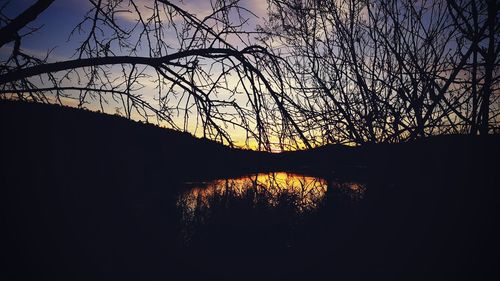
[258,7]
[200,8]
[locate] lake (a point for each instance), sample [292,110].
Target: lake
[292,195]
[86,196]
[261,226]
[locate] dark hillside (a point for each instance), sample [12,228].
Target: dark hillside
[65,141]
[429,157]
[87,196]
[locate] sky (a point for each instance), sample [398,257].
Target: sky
[57,22]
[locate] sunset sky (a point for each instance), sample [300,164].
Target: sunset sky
[319,76]
[57,22]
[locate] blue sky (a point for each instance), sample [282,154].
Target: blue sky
[55,26]
[57,22]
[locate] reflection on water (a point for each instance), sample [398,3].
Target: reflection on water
[303,192]
[277,201]
[264,200]
[276,190]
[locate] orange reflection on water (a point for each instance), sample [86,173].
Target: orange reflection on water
[298,191]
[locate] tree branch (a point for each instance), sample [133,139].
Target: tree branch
[8,33]
[79,63]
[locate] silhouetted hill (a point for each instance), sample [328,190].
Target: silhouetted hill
[447,154]
[66,142]
[81,143]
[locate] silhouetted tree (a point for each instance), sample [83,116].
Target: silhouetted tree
[345,71]
[207,73]
[390,70]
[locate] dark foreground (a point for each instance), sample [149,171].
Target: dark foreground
[81,201]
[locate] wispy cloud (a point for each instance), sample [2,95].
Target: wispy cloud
[200,8]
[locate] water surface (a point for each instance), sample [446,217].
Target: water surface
[278,200]
[264,226]
[306,192]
